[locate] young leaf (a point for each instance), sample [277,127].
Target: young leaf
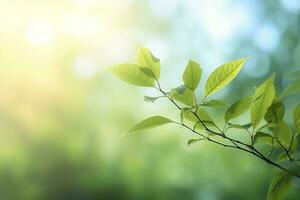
[192,75]
[296,118]
[260,106]
[132,74]
[294,75]
[223,75]
[150,122]
[183,95]
[238,108]
[147,60]
[215,103]
[239,126]
[291,89]
[279,186]
[192,141]
[151,99]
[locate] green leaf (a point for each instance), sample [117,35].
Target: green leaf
[238,108]
[205,118]
[223,75]
[279,186]
[150,122]
[192,141]
[215,103]
[283,156]
[283,133]
[294,147]
[192,75]
[259,107]
[263,138]
[183,112]
[296,118]
[187,114]
[294,75]
[202,114]
[147,72]
[132,74]
[291,89]
[275,112]
[183,95]
[147,60]
[151,99]
[239,126]
[275,116]
[268,125]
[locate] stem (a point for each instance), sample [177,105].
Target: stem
[285,150]
[291,144]
[236,143]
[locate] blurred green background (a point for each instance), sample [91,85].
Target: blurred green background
[62,115]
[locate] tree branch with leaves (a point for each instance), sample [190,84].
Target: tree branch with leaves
[266,126]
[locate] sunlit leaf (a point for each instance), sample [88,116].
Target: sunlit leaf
[147,60]
[291,89]
[147,72]
[223,75]
[215,103]
[294,75]
[192,141]
[192,75]
[150,122]
[296,117]
[279,186]
[131,73]
[259,106]
[183,95]
[268,125]
[238,108]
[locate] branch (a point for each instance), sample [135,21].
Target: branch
[285,150]
[236,143]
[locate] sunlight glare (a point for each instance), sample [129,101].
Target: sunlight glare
[79,26]
[39,33]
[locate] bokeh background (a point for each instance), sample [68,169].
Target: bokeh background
[62,115]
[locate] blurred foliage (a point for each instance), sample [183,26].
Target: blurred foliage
[62,116]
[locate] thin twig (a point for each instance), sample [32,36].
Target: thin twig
[236,144]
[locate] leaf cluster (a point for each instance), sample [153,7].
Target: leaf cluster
[266,126]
